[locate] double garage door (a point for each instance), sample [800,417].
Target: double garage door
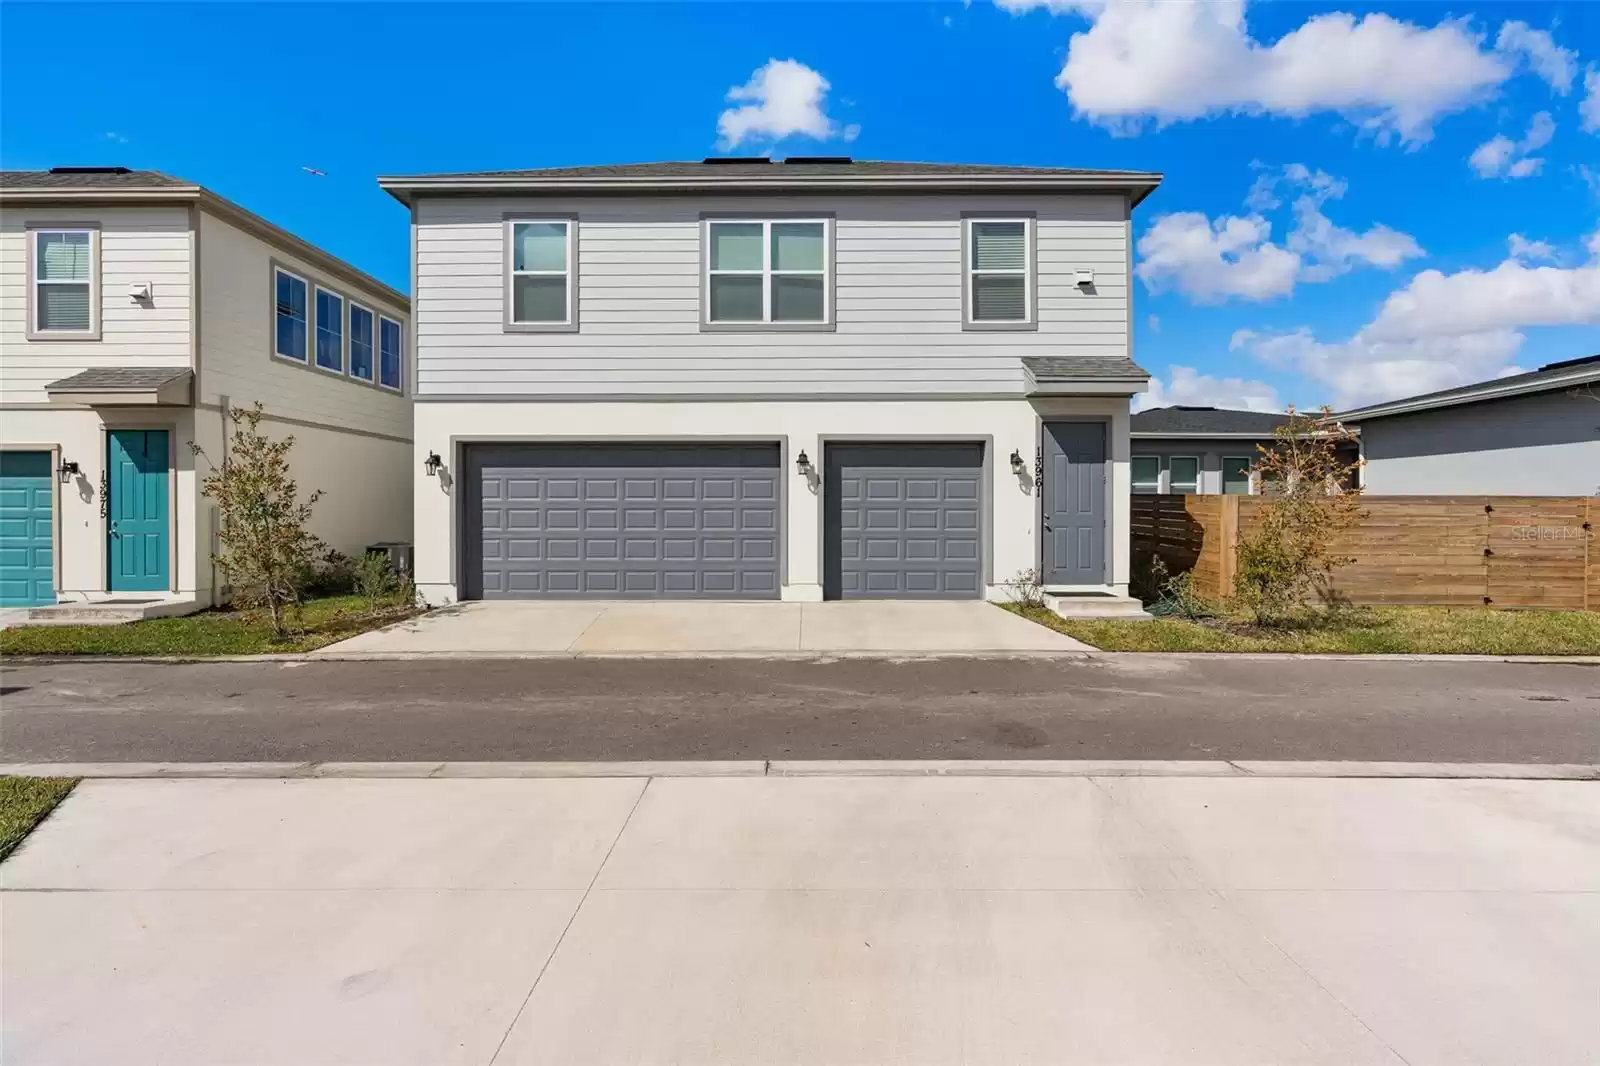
[704,520]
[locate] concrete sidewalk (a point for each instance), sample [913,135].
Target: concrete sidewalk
[594,627]
[867,920]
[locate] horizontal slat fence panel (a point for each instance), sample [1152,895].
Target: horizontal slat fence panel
[1448,551]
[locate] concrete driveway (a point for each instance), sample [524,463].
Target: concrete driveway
[628,628]
[829,921]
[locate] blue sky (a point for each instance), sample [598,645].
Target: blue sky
[1373,260]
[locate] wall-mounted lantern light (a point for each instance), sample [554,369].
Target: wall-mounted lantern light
[1017,465]
[431,464]
[68,471]
[802,464]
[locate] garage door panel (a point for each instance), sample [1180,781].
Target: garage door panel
[645,520]
[903,520]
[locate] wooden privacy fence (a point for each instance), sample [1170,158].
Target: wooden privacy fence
[1448,551]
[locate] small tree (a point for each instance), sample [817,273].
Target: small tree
[1307,503]
[265,547]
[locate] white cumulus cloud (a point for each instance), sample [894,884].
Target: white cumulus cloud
[1530,251]
[1589,109]
[1500,156]
[1189,387]
[1550,61]
[784,98]
[1213,260]
[1151,60]
[1440,330]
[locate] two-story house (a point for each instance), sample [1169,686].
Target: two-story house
[800,380]
[135,308]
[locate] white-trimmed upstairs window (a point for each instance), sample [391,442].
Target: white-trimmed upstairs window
[290,312]
[361,342]
[330,331]
[768,274]
[539,278]
[391,353]
[64,283]
[999,282]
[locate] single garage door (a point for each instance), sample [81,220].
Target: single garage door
[27,538]
[903,521]
[632,521]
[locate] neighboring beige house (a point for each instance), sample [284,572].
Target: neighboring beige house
[134,308]
[800,380]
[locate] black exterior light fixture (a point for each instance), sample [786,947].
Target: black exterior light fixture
[431,464]
[1017,465]
[802,464]
[68,471]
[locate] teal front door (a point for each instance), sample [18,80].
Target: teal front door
[137,530]
[27,535]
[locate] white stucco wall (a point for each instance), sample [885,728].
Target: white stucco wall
[1012,424]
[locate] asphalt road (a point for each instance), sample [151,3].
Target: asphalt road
[1104,708]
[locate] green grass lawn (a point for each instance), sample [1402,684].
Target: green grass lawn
[1398,630]
[220,632]
[24,802]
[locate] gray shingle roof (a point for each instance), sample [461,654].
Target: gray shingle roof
[1204,421]
[120,379]
[1565,374]
[88,178]
[1045,368]
[777,171]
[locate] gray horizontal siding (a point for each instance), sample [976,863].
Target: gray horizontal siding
[897,293]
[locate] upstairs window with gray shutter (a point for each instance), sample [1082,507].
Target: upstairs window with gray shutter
[999,281]
[64,273]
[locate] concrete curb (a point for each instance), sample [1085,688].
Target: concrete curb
[805,768]
[800,656]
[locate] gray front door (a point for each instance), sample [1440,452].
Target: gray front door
[1074,503]
[903,521]
[602,520]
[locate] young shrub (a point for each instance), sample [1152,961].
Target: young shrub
[375,580]
[1027,588]
[264,544]
[1306,506]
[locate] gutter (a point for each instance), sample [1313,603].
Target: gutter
[405,189]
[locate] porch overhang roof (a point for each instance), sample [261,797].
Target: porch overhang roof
[1079,375]
[126,386]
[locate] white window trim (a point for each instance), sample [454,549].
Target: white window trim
[1172,485]
[377,354]
[1029,272]
[350,341]
[567,325]
[344,332]
[765,323]
[1134,485]
[1250,474]
[32,330]
[311,311]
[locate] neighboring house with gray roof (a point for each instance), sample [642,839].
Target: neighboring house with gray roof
[1183,450]
[810,379]
[1531,434]
[134,307]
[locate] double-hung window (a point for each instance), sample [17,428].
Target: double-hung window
[65,284]
[330,331]
[391,353]
[540,293]
[1236,475]
[768,274]
[361,341]
[289,331]
[998,283]
[1146,473]
[1184,475]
